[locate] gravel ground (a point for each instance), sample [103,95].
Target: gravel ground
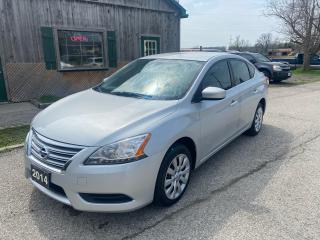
[265,187]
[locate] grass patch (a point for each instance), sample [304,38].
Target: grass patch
[12,136]
[48,99]
[312,72]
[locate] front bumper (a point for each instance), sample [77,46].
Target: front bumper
[136,180]
[283,75]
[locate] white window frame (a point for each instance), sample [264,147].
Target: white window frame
[152,49]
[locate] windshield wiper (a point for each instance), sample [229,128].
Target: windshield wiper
[130,94]
[97,88]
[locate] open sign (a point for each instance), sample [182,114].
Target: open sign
[79,38]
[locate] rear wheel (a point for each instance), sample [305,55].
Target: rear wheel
[257,122]
[173,177]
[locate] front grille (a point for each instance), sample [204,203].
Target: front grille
[52,153]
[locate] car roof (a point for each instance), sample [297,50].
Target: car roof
[194,56]
[249,53]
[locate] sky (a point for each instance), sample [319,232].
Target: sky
[214,22]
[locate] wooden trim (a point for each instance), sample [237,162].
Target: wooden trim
[150,35]
[112,49]
[48,47]
[126,6]
[6,87]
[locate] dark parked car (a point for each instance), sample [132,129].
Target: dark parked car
[275,71]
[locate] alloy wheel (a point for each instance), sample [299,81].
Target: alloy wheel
[258,119]
[177,176]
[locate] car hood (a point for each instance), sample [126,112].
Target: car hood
[89,117]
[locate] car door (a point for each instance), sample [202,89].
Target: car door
[247,88]
[219,118]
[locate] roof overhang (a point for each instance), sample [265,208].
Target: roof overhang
[182,11]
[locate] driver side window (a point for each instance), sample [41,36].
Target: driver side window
[218,76]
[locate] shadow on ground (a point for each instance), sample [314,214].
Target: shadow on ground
[242,158]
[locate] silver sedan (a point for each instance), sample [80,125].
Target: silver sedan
[136,137]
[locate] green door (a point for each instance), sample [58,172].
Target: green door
[150,46]
[3,94]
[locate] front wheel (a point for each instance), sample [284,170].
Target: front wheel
[173,177]
[257,122]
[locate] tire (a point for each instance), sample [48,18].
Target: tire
[167,191]
[257,122]
[276,81]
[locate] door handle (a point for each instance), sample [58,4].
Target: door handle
[233,103]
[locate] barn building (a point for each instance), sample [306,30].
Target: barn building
[58,47]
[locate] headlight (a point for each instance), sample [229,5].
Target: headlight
[125,151]
[277,68]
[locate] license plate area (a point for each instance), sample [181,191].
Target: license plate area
[40,176]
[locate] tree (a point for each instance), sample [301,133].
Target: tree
[239,44]
[264,43]
[301,22]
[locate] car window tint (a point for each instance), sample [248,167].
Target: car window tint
[218,76]
[252,70]
[240,71]
[247,56]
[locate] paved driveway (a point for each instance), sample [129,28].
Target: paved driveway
[266,187]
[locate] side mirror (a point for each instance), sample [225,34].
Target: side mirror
[214,93]
[253,61]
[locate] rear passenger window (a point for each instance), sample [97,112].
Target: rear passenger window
[252,70]
[218,76]
[240,71]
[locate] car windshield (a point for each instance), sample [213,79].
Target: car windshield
[260,58]
[158,79]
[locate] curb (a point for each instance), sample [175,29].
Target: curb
[14,126]
[40,105]
[10,148]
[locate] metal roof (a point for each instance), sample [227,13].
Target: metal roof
[182,10]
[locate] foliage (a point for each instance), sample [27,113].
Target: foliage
[12,136]
[301,71]
[239,44]
[301,23]
[48,99]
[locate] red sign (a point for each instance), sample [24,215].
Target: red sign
[79,38]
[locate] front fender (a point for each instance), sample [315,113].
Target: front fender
[183,123]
